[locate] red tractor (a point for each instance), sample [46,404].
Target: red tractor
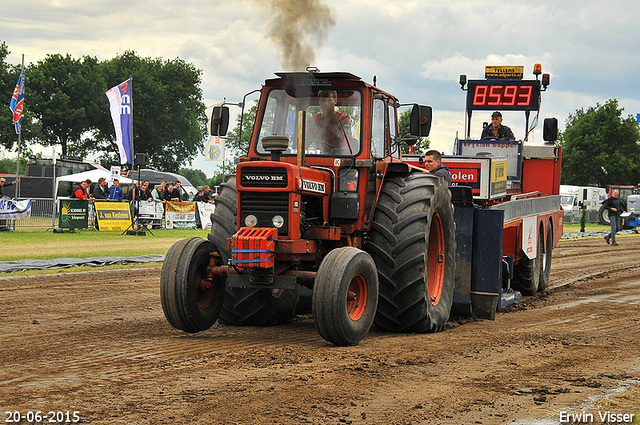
[324,204]
[370,235]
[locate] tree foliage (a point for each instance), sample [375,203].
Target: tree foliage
[62,93]
[195,177]
[65,104]
[600,147]
[169,122]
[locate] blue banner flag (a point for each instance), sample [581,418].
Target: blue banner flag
[121,107]
[17,103]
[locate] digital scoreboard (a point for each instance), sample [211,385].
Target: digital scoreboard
[513,95]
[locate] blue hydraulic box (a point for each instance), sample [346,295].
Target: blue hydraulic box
[486,263]
[462,200]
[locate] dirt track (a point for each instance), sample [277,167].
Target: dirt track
[98,343]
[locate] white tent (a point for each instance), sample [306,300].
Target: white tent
[92,175]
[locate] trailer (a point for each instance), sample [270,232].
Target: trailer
[325,201]
[516,180]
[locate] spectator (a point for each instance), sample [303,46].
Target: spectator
[168,192]
[158,194]
[208,195]
[200,197]
[115,192]
[145,193]
[178,194]
[3,183]
[83,191]
[100,191]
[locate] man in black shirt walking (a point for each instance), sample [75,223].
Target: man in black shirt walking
[615,206]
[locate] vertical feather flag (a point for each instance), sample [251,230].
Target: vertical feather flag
[121,106]
[17,103]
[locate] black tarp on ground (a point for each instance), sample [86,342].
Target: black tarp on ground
[59,263]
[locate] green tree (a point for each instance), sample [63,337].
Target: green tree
[196,177]
[404,122]
[169,122]
[62,94]
[600,147]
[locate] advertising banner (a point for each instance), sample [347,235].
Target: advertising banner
[205,210]
[180,215]
[15,210]
[73,214]
[121,107]
[151,210]
[113,215]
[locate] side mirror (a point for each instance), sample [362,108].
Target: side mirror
[550,130]
[219,121]
[421,120]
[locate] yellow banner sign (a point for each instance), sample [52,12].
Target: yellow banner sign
[183,207]
[506,72]
[113,215]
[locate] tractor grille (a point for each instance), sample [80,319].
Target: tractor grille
[264,206]
[264,177]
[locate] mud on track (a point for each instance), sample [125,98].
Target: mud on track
[98,343]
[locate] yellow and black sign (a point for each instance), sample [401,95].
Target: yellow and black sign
[504,72]
[498,176]
[113,215]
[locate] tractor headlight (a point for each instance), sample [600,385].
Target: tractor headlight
[277,221]
[251,220]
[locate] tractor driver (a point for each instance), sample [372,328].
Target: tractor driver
[496,130]
[330,128]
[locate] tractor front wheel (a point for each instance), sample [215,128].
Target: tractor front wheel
[345,296]
[191,300]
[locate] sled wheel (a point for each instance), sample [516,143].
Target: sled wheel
[545,262]
[527,273]
[412,242]
[345,296]
[191,300]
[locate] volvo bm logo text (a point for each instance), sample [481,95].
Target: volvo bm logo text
[313,186]
[263,178]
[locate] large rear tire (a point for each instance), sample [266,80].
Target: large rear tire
[603,216]
[246,306]
[545,266]
[191,302]
[412,241]
[345,296]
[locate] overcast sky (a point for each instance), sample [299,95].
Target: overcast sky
[417,49]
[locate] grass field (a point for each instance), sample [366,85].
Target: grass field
[36,243]
[574,228]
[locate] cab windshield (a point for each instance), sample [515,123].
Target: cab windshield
[331,118]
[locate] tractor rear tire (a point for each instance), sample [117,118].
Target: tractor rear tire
[345,296]
[412,241]
[545,263]
[527,272]
[603,216]
[190,301]
[245,306]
